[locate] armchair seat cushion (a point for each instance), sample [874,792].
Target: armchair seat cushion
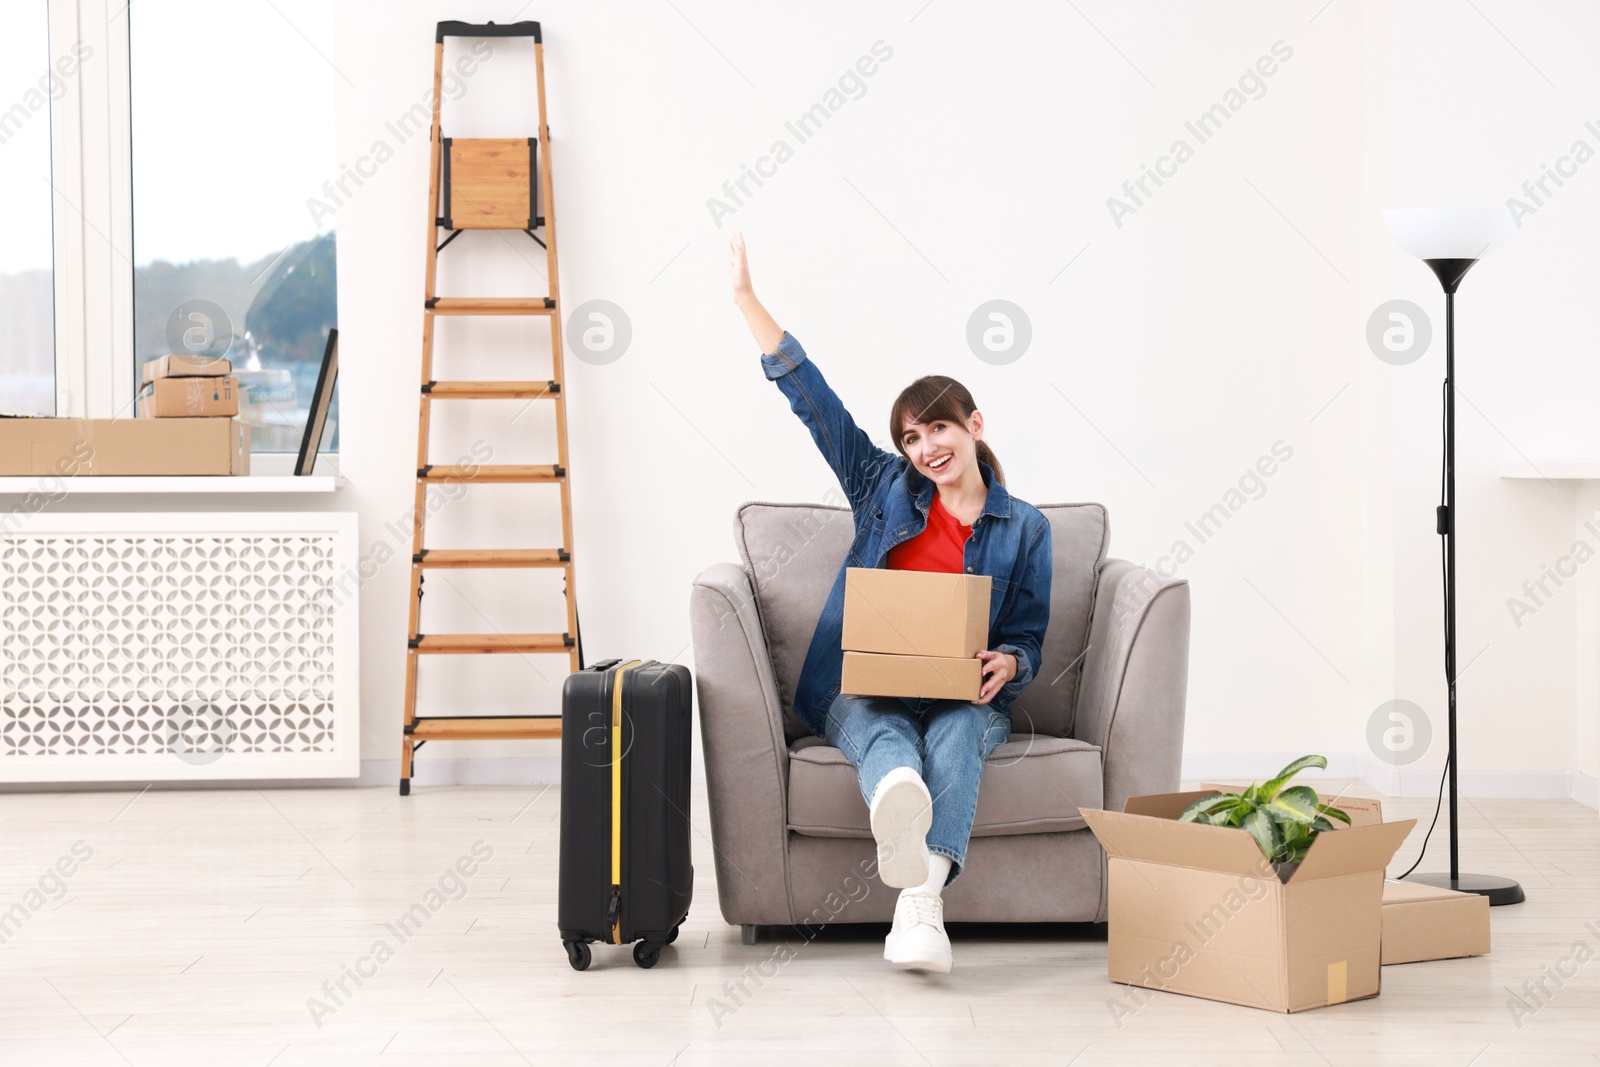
[1032,784]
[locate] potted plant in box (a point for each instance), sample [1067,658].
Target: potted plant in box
[1284,821]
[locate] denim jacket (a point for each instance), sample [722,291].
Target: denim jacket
[889,500]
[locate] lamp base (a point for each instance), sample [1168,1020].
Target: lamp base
[1498,890]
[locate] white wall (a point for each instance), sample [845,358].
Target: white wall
[1226,314]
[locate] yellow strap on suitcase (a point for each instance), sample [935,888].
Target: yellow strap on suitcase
[616,791]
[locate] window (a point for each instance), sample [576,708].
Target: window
[232,136]
[29,81]
[186,144]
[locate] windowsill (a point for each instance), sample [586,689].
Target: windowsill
[1565,469]
[149,484]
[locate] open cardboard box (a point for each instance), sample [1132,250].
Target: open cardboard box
[914,633]
[1420,922]
[1196,909]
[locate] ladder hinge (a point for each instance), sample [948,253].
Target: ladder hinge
[427,387]
[566,557]
[415,642]
[555,387]
[431,301]
[566,639]
[423,472]
[417,557]
[560,471]
[549,301]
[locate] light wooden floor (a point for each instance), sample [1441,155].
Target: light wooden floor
[203,921]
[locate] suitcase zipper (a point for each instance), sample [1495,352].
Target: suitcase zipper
[614,910]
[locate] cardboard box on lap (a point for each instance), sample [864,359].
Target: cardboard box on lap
[914,633]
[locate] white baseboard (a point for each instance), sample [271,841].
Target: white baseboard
[1586,790]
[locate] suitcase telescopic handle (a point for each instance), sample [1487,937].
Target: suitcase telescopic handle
[489,29]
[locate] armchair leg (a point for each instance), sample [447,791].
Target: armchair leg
[748,933]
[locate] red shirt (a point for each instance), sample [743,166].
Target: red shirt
[940,547]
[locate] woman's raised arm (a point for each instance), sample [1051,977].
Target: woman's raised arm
[763,327]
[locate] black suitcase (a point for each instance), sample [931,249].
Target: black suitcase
[625,869]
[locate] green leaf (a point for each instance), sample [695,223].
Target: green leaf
[1330,810]
[1298,803]
[1319,824]
[1270,790]
[1205,805]
[1265,831]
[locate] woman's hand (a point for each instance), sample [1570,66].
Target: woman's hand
[763,327]
[739,268]
[998,668]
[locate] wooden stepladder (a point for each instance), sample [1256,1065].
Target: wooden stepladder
[496,183]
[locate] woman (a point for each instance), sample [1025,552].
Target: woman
[940,505]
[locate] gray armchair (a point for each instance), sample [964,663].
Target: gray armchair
[1101,722]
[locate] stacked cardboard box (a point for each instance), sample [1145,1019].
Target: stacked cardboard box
[914,633]
[188,387]
[186,426]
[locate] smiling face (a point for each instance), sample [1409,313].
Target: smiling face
[943,449]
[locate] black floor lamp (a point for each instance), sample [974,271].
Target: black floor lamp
[1450,240]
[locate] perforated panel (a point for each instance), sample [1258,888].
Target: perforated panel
[216,653]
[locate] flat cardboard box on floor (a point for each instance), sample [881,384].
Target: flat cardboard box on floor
[1196,909]
[1420,922]
[71,447]
[185,367]
[191,398]
[915,613]
[872,674]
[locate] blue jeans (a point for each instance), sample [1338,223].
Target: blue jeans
[946,744]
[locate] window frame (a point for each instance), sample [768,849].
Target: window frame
[91,137]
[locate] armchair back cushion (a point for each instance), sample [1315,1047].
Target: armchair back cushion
[793,552]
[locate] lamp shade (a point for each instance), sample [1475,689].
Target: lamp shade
[1449,232]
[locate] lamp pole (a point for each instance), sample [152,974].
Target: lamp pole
[1498,890]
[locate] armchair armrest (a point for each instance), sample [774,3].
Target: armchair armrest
[1135,680]
[746,755]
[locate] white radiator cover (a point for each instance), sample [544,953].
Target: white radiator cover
[179,646]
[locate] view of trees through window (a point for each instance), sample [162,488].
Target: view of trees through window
[230,142]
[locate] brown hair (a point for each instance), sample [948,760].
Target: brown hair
[933,397]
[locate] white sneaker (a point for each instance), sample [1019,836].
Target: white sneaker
[918,938]
[901,813]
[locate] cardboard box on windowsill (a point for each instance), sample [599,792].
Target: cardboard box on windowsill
[914,633]
[1196,909]
[1420,922]
[191,398]
[185,367]
[72,447]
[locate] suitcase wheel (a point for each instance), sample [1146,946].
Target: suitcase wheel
[646,953]
[578,954]
[674,935]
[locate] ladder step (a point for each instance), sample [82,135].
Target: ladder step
[479,644]
[534,473]
[459,558]
[492,305]
[496,728]
[492,390]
